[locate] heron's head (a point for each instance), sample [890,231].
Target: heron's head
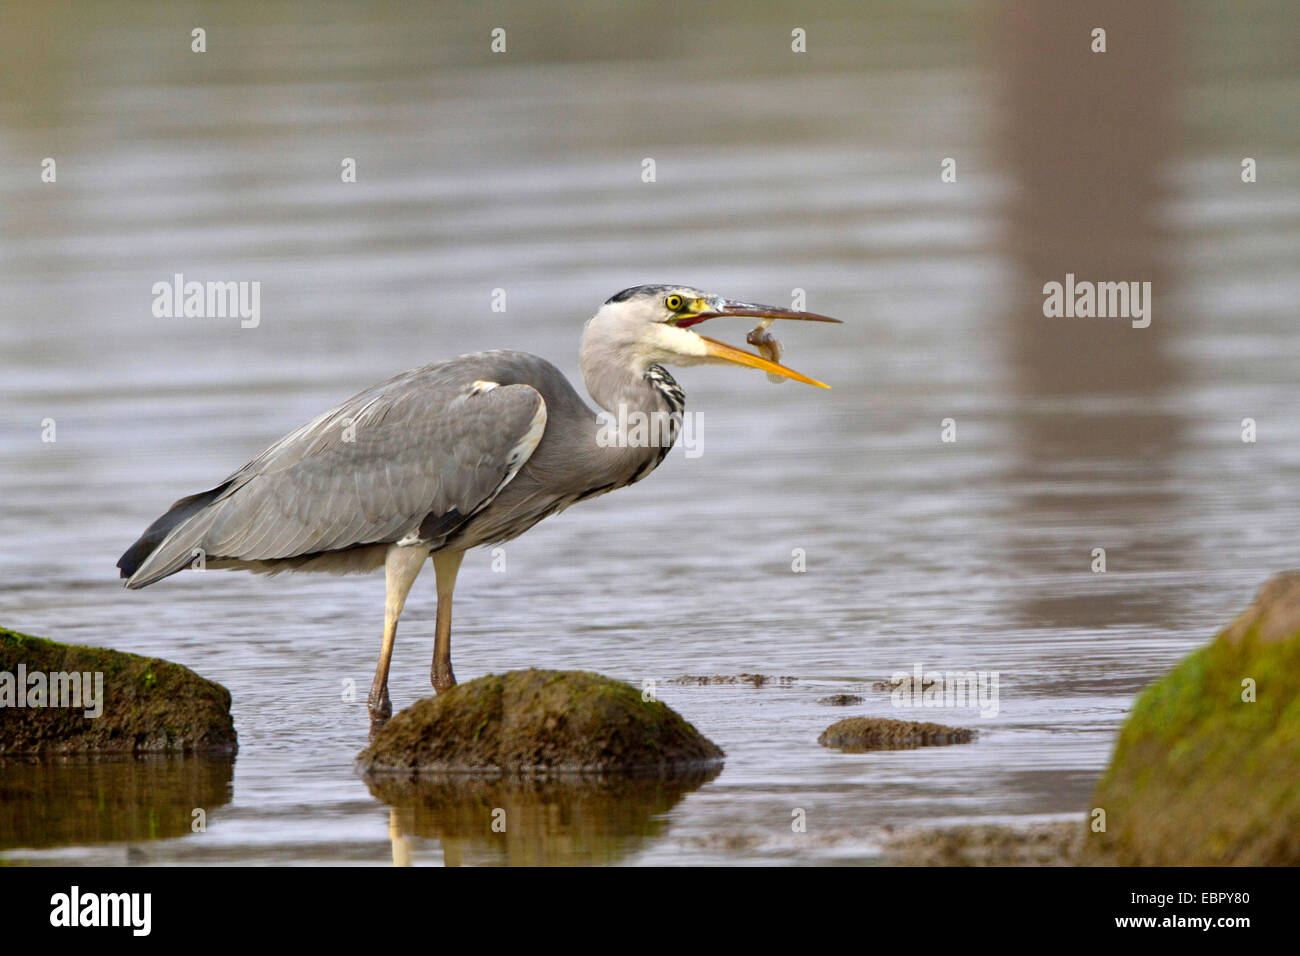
[654,324]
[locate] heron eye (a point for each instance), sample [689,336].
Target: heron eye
[674,302]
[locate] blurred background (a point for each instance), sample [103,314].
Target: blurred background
[775,171]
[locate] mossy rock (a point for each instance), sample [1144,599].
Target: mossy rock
[860,734]
[149,705]
[538,722]
[1201,775]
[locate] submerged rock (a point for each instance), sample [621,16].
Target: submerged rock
[840,700]
[905,683]
[755,680]
[857,734]
[1206,771]
[68,699]
[538,722]
[984,844]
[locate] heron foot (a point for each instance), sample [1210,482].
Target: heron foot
[381,708]
[443,678]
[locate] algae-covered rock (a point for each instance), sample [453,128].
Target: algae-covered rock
[538,722]
[858,734]
[68,699]
[1207,768]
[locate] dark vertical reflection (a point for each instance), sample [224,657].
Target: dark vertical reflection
[528,822]
[1088,139]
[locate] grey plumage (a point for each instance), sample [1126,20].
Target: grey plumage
[639,291]
[429,451]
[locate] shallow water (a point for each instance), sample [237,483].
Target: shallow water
[775,171]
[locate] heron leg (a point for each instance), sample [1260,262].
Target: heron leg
[446,564]
[401,567]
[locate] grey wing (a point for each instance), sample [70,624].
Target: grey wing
[409,459]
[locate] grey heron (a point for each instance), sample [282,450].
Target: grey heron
[470,451]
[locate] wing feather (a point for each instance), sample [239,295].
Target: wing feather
[434,442]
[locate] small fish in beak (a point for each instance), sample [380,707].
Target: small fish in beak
[768,346]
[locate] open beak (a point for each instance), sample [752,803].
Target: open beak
[717,308]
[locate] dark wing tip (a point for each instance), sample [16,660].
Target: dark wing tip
[157,532]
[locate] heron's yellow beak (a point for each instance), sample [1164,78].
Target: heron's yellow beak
[703,309]
[730,353]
